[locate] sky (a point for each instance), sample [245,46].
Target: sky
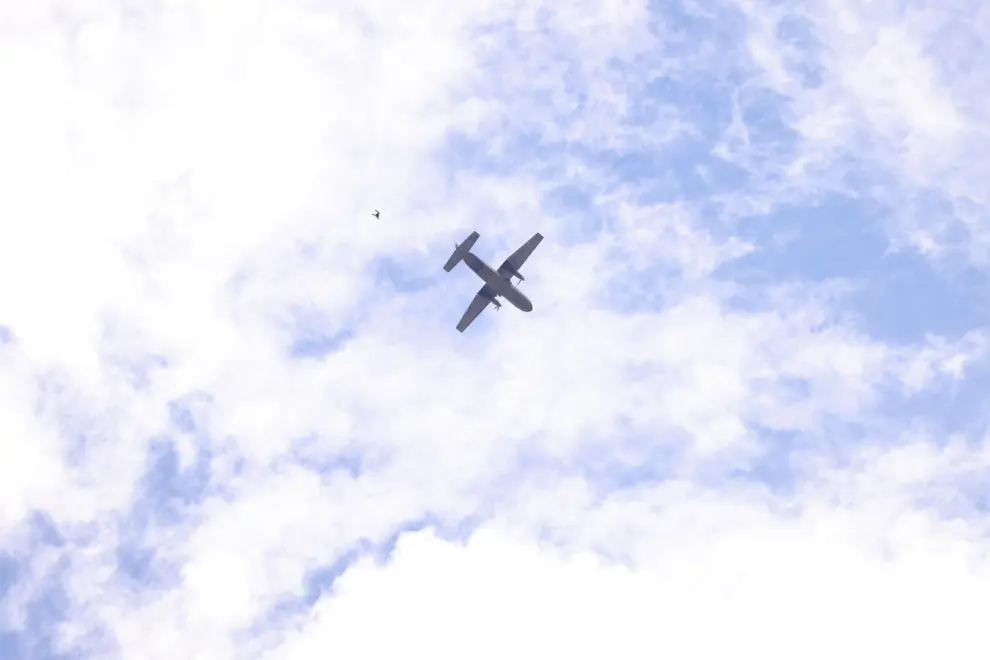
[746,417]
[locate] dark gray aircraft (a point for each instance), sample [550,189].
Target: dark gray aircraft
[498,283]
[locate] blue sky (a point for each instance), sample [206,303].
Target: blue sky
[238,422]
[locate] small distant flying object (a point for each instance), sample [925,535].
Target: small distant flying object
[375,213]
[498,283]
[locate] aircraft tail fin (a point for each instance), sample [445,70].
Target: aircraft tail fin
[456,257]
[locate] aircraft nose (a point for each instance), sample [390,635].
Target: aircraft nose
[526,306]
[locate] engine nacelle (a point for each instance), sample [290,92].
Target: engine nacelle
[491,298]
[513,272]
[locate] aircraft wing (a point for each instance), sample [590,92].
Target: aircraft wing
[519,257]
[477,306]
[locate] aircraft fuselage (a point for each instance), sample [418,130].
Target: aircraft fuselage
[501,284]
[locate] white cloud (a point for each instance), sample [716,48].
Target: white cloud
[884,94]
[717,577]
[192,184]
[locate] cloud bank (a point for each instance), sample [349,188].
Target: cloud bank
[746,414]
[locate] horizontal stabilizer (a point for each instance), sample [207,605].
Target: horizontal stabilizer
[456,257]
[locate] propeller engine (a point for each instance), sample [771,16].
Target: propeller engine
[512,272]
[493,299]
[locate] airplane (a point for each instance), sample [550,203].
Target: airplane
[498,283]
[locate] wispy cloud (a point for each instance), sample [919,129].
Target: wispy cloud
[747,409]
